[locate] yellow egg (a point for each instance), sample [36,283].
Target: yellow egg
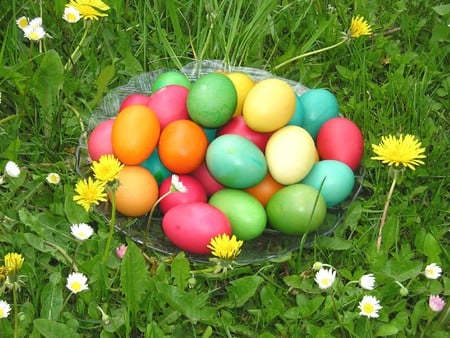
[242,83]
[269,105]
[290,154]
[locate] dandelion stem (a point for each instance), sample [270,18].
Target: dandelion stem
[16,313]
[298,57]
[65,255]
[112,223]
[74,56]
[385,210]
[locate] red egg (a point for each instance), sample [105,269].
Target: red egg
[340,139]
[191,226]
[238,126]
[195,193]
[134,99]
[208,182]
[99,140]
[169,104]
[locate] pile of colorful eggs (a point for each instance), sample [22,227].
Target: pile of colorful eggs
[252,154]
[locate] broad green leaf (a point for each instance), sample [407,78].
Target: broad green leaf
[48,79]
[52,329]
[74,212]
[431,247]
[242,289]
[180,270]
[133,276]
[334,243]
[442,10]
[353,215]
[273,306]
[386,330]
[294,281]
[37,242]
[52,298]
[106,75]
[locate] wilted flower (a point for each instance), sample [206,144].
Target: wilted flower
[325,278]
[89,9]
[71,14]
[359,27]
[317,265]
[81,231]
[107,168]
[5,308]
[224,247]
[13,262]
[121,250]
[369,306]
[12,169]
[3,273]
[433,271]
[53,178]
[404,150]
[367,282]
[77,282]
[436,303]
[89,192]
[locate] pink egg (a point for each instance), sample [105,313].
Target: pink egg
[340,139]
[191,226]
[195,193]
[238,126]
[169,104]
[134,99]
[99,140]
[208,182]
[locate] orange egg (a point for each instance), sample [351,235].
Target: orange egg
[242,83]
[137,191]
[182,146]
[134,134]
[264,189]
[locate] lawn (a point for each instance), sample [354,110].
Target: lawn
[392,82]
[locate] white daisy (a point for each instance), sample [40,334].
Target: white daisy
[77,282]
[4,309]
[176,184]
[36,22]
[53,178]
[34,33]
[81,231]
[71,14]
[367,282]
[325,278]
[22,22]
[433,271]
[12,169]
[369,306]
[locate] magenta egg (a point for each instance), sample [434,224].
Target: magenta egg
[169,104]
[141,99]
[194,193]
[191,226]
[238,126]
[99,140]
[340,139]
[208,182]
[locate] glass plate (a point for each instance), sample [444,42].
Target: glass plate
[271,244]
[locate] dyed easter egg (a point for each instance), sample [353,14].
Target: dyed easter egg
[269,105]
[191,226]
[235,161]
[168,78]
[264,190]
[334,180]
[299,113]
[194,192]
[99,140]
[134,99]
[296,209]
[246,214]
[340,139]
[155,166]
[242,83]
[134,134]
[319,106]
[290,154]
[208,182]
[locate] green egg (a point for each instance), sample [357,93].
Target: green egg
[172,77]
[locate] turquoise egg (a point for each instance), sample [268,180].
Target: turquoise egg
[212,100]
[246,214]
[235,161]
[171,77]
[319,106]
[155,166]
[299,113]
[334,180]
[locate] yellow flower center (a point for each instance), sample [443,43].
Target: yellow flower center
[368,308]
[71,17]
[2,313]
[76,286]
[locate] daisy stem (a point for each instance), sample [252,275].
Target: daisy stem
[338,317]
[150,217]
[74,56]
[298,57]
[112,223]
[385,210]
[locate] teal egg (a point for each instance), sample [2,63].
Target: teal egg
[319,106]
[246,214]
[235,161]
[171,77]
[334,179]
[299,113]
[212,100]
[296,209]
[155,166]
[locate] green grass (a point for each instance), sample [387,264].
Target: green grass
[396,81]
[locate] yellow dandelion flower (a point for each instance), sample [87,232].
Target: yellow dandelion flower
[107,168]
[224,247]
[13,262]
[89,9]
[89,192]
[359,27]
[404,150]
